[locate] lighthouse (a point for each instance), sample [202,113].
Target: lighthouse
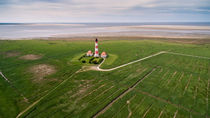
[96,48]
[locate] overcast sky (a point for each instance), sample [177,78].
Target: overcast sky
[104,10]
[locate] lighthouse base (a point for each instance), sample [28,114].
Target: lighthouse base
[96,55]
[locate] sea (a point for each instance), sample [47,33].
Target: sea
[45,30]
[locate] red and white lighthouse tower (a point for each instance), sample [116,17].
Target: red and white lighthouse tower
[96,49]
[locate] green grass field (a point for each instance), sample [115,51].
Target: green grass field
[171,86]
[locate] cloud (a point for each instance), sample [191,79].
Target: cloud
[101,10]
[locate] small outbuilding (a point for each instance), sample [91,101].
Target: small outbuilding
[103,55]
[89,53]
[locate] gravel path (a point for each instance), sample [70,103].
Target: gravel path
[153,55]
[111,69]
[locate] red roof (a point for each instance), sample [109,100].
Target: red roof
[89,52]
[103,53]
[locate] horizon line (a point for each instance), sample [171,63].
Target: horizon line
[111,22]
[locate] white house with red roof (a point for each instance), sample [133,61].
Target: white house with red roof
[89,53]
[103,55]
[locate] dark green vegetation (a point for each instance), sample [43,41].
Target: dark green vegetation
[90,60]
[178,86]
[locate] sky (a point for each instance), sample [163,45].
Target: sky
[30,11]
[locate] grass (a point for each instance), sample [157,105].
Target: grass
[110,60]
[164,87]
[176,80]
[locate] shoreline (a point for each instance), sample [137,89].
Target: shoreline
[146,31]
[172,40]
[114,35]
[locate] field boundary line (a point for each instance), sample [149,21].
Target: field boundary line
[4,77]
[164,75]
[93,91]
[120,109]
[129,109]
[175,113]
[196,89]
[99,95]
[188,55]
[188,82]
[161,113]
[207,97]
[16,90]
[138,105]
[181,77]
[147,111]
[122,94]
[169,80]
[36,102]
[174,88]
[161,70]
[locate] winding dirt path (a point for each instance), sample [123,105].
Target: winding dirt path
[153,55]
[111,69]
